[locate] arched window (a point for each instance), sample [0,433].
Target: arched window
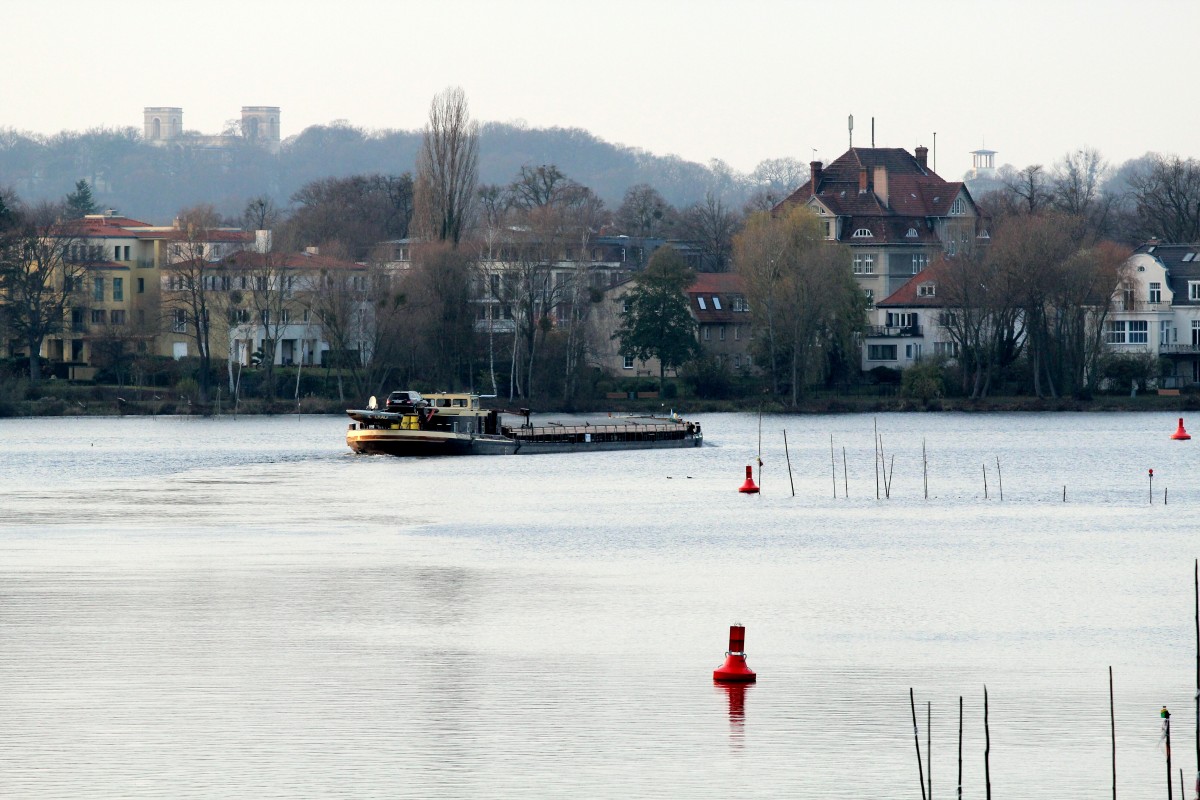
[912,233]
[958,207]
[983,234]
[863,233]
[156,128]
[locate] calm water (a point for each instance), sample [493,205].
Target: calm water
[242,608]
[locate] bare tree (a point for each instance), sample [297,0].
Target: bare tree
[41,275]
[1166,195]
[1076,184]
[643,212]
[261,214]
[713,225]
[780,176]
[801,290]
[195,290]
[447,168]
[1030,189]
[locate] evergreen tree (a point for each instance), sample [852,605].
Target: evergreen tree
[657,323]
[80,202]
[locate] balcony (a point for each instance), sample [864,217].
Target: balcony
[1179,349]
[145,263]
[912,331]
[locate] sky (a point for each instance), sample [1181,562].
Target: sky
[738,81]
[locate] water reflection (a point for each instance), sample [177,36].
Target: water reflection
[735,694]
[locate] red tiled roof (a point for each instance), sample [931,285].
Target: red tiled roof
[907,296]
[301,261]
[721,285]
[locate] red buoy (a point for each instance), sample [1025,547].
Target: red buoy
[734,670]
[748,487]
[1180,433]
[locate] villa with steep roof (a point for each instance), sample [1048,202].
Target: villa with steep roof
[895,213]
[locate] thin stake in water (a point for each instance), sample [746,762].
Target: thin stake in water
[846,482]
[789,463]
[987,748]
[1000,478]
[832,467]
[917,740]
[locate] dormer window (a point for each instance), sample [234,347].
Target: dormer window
[863,233]
[927,290]
[958,207]
[912,234]
[983,234]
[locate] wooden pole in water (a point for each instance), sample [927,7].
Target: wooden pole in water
[929,747]
[846,482]
[789,463]
[1166,718]
[1000,478]
[987,748]
[917,740]
[891,472]
[760,448]
[960,747]
[832,467]
[985,491]
[924,468]
[876,459]
[1064,493]
[1112,722]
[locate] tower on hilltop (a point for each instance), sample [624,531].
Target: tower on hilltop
[983,165]
[162,124]
[260,125]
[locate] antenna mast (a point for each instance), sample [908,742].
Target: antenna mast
[851,125]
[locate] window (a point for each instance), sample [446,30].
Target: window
[737,362]
[881,352]
[700,300]
[283,316]
[98,316]
[717,303]
[958,207]
[864,264]
[870,293]
[983,234]
[1127,296]
[624,306]
[737,332]
[1114,332]
[1139,331]
[98,289]
[141,285]
[627,363]
[828,229]
[901,319]
[1155,293]
[721,332]
[117,317]
[118,289]
[947,318]
[266,316]
[919,262]
[1193,290]
[912,351]
[863,233]
[1189,256]
[739,303]
[1164,331]
[911,234]
[949,349]
[707,332]
[926,290]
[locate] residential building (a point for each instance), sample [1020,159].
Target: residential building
[895,214]
[717,303]
[910,324]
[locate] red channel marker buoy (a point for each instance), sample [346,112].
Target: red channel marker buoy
[748,487]
[734,670]
[1180,433]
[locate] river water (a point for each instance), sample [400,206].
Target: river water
[243,608]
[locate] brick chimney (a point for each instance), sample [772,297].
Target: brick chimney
[863,183]
[922,154]
[881,184]
[814,168]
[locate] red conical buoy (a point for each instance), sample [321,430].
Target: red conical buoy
[748,487]
[734,670]
[1180,433]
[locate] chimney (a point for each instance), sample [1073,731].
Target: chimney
[862,180]
[814,168]
[923,157]
[881,187]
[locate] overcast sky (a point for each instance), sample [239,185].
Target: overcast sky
[741,81]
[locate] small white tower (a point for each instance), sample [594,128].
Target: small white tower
[983,165]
